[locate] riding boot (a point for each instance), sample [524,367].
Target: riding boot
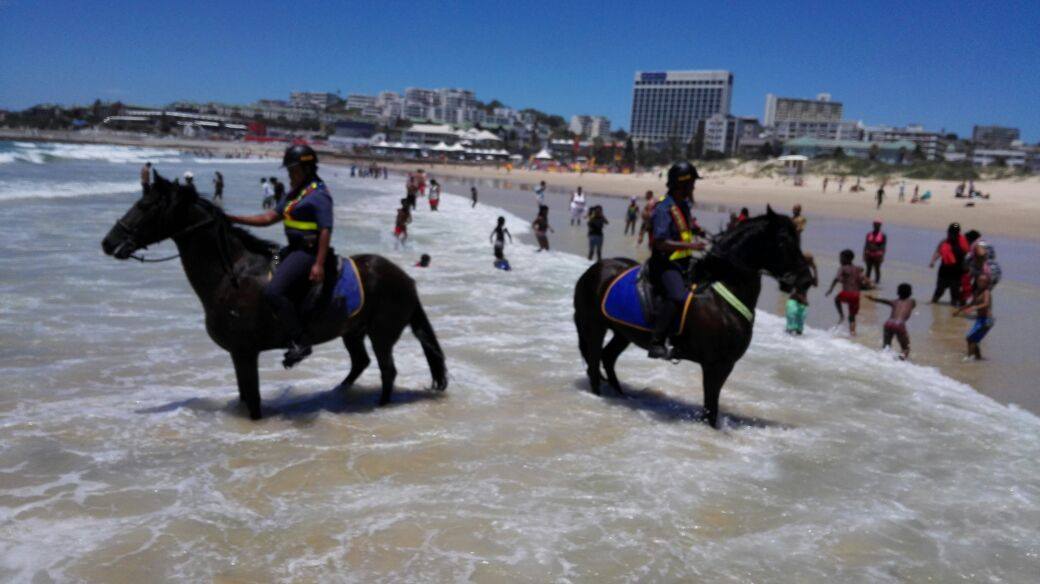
[662,325]
[299,349]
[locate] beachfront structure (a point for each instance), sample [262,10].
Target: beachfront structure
[366,105]
[1000,156]
[790,117]
[669,105]
[932,144]
[590,126]
[994,137]
[896,152]
[313,99]
[792,109]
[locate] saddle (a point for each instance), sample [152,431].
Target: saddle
[340,291]
[630,300]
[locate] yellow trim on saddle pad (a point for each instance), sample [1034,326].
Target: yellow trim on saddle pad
[603,303]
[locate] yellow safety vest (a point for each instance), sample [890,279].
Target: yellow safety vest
[287,213]
[685,234]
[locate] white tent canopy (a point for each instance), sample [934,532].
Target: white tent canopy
[543,155]
[793,158]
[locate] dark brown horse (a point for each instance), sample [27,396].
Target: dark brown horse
[716,335]
[228,267]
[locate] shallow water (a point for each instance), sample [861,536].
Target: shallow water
[125,456]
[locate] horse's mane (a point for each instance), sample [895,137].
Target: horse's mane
[719,260]
[252,243]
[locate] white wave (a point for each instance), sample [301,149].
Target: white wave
[23,189]
[222,161]
[43,152]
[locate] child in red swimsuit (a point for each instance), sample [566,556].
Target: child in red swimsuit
[852,281]
[895,326]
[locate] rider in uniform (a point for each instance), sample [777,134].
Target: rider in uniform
[307,214]
[671,249]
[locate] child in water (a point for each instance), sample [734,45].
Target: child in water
[895,326]
[852,281]
[404,217]
[982,304]
[797,303]
[424,261]
[498,237]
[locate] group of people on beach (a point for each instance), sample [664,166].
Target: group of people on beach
[968,270]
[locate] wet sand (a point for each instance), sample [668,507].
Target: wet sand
[1009,372]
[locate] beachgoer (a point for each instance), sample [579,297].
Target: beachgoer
[421,182]
[541,227]
[982,304]
[498,238]
[880,197]
[424,260]
[307,215]
[435,194]
[404,217]
[279,190]
[218,189]
[902,190]
[915,198]
[189,178]
[577,207]
[743,216]
[798,302]
[825,181]
[539,193]
[473,196]
[902,309]
[146,177]
[799,220]
[265,196]
[951,252]
[647,217]
[841,183]
[596,221]
[874,251]
[411,189]
[630,216]
[958,193]
[852,281]
[672,245]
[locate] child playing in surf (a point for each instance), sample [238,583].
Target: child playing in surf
[798,303]
[982,304]
[404,217]
[498,237]
[852,281]
[902,309]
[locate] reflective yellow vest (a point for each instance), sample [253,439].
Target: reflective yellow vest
[685,234]
[291,223]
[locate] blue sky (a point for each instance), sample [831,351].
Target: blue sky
[942,64]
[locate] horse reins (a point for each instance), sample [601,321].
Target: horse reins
[222,247]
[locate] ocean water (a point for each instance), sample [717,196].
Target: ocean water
[125,456]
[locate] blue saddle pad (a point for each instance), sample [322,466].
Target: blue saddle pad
[348,292]
[621,302]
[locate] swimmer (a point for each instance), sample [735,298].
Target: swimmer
[424,261]
[498,235]
[852,281]
[902,309]
[473,196]
[404,217]
[982,304]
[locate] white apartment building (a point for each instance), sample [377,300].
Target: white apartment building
[671,104]
[932,143]
[317,100]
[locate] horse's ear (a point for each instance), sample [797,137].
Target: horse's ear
[769,212]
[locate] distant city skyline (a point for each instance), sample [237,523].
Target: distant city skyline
[946,66]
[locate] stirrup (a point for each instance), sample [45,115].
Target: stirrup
[659,352]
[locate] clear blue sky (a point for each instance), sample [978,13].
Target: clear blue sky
[943,64]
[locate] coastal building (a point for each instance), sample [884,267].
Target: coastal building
[313,99]
[932,144]
[995,137]
[366,105]
[590,126]
[789,117]
[670,105]
[1001,157]
[896,152]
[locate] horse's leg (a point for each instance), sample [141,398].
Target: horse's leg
[248,381]
[359,359]
[715,375]
[383,345]
[594,334]
[611,352]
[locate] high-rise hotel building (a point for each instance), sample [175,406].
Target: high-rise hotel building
[670,104]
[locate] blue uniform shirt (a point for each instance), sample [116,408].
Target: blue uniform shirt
[315,207]
[663,225]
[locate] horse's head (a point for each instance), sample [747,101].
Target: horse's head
[782,254]
[156,216]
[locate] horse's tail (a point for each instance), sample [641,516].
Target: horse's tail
[431,348]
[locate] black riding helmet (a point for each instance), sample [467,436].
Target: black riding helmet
[680,172]
[300,154]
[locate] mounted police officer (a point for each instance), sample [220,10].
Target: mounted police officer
[671,249]
[307,215]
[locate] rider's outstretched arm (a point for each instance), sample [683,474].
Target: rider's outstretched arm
[261,220]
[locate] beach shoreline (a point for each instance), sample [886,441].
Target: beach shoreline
[1013,211]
